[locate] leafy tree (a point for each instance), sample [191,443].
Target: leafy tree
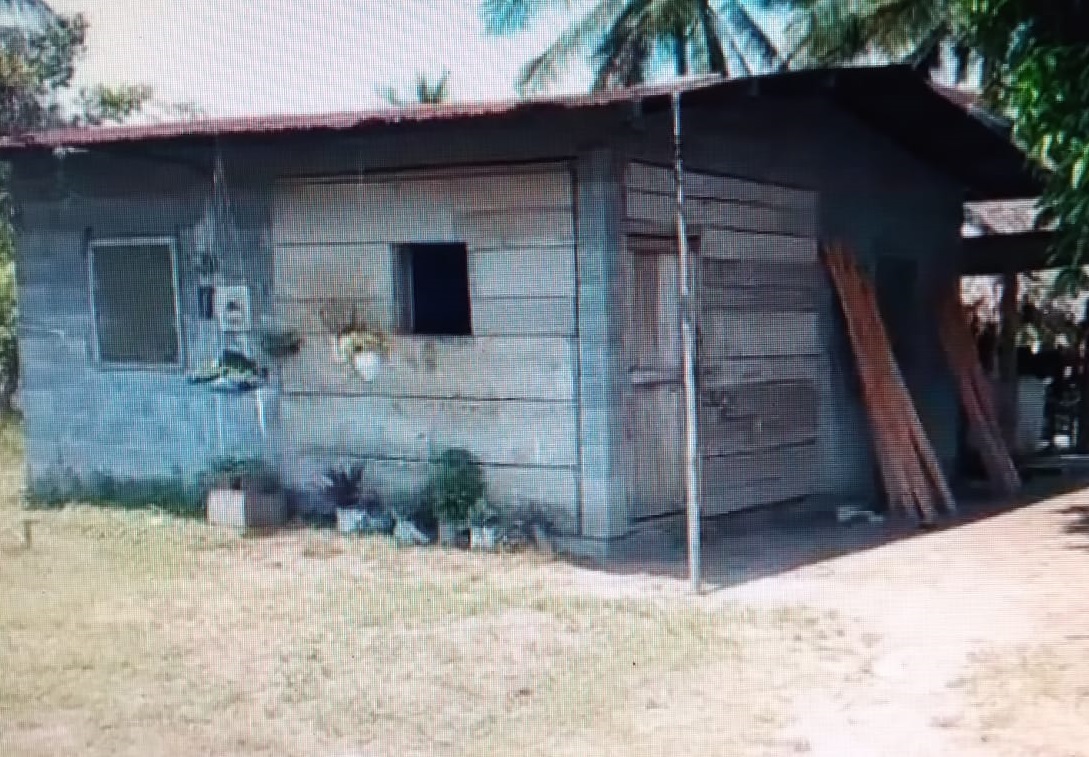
[922,33]
[1042,83]
[39,51]
[427,92]
[629,41]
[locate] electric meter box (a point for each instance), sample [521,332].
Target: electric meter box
[232,308]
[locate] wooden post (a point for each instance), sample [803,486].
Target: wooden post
[1007,358]
[688,342]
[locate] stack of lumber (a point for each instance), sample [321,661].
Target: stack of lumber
[913,479]
[975,393]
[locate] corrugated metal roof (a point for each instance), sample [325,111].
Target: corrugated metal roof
[893,100]
[339,121]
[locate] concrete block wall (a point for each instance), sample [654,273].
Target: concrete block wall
[86,420]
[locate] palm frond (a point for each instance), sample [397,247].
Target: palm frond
[750,39]
[712,42]
[512,16]
[581,38]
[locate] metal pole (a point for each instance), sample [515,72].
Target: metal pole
[688,342]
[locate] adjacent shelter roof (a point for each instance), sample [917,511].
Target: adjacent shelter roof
[894,100]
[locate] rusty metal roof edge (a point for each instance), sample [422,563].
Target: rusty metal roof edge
[272,124]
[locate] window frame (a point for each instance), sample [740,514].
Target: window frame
[135,241]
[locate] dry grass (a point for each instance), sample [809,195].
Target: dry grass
[1032,700]
[135,633]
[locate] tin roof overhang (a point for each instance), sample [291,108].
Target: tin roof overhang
[894,100]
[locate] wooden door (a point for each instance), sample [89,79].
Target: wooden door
[654,405]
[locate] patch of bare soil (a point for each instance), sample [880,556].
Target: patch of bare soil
[980,639]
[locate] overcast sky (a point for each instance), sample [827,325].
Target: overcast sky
[260,56]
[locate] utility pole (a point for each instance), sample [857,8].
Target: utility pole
[692,484]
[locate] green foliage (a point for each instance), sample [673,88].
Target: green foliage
[1041,81]
[37,65]
[427,92]
[629,42]
[344,486]
[830,32]
[167,494]
[456,486]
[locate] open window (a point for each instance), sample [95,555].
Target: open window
[437,289]
[134,295]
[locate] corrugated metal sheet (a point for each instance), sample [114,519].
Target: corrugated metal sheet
[893,100]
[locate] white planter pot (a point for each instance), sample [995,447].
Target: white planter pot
[367,364]
[484,538]
[245,509]
[361,522]
[451,534]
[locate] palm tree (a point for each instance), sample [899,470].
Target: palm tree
[427,92]
[916,32]
[629,41]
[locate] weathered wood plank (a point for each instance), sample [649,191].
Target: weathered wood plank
[728,334]
[489,188]
[654,429]
[736,482]
[491,316]
[304,316]
[730,372]
[524,316]
[727,244]
[350,271]
[425,210]
[554,491]
[651,178]
[508,432]
[524,272]
[760,299]
[485,368]
[647,206]
[750,417]
[492,230]
[748,273]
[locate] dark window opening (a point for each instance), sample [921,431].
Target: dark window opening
[438,278]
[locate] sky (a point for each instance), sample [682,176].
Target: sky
[236,57]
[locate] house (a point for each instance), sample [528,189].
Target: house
[522,256]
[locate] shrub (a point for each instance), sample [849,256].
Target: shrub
[456,485]
[346,487]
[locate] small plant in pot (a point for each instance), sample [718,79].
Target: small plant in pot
[364,350]
[358,510]
[245,493]
[456,486]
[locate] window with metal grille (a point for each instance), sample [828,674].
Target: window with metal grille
[135,298]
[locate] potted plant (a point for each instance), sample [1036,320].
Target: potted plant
[457,484]
[232,372]
[280,344]
[358,511]
[364,349]
[245,494]
[484,528]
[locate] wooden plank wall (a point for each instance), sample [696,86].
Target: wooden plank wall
[758,279]
[507,393]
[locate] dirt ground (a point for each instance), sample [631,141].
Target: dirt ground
[977,634]
[138,633]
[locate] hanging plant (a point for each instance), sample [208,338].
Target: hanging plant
[232,372]
[364,350]
[280,344]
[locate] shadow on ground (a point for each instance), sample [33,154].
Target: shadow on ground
[744,547]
